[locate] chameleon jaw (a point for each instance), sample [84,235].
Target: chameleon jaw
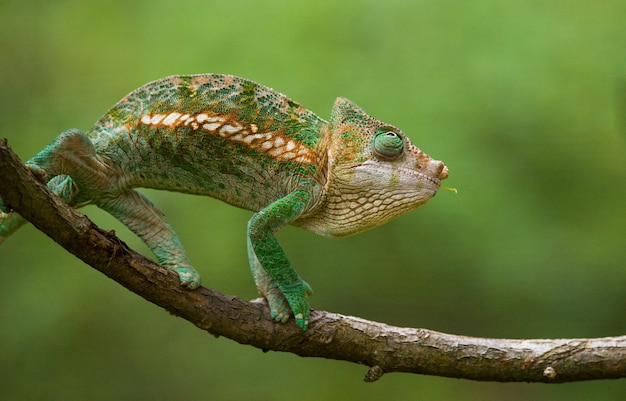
[422,176]
[428,177]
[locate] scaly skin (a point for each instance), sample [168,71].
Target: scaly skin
[250,146]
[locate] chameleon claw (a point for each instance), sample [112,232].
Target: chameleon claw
[301,321]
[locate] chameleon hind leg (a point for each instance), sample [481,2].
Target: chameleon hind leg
[143,218]
[68,153]
[62,185]
[76,173]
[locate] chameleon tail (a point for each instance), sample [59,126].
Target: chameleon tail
[9,223]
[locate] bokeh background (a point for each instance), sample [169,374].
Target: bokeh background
[524,101]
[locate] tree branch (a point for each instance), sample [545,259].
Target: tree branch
[382,347]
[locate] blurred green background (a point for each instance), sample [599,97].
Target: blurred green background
[524,101]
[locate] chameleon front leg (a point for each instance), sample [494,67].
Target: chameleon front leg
[143,218]
[274,276]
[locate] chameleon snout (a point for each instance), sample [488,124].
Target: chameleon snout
[434,168]
[443,170]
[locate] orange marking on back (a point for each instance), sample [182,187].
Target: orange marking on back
[273,143]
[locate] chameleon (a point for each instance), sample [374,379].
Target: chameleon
[250,146]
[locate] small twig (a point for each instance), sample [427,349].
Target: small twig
[382,347]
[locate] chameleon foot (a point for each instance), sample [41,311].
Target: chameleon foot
[37,171]
[293,299]
[279,308]
[297,296]
[188,276]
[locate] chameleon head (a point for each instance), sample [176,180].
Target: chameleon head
[374,174]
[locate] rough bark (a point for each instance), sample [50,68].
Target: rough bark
[382,347]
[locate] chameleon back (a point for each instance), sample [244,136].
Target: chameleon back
[216,135]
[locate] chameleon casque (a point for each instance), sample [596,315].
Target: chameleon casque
[247,145]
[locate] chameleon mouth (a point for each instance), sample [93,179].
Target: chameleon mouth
[434,168]
[423,176]
[425,179]
[429,178]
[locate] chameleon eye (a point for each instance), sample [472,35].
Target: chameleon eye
[388,145]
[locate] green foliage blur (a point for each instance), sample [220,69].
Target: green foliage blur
[524,101]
